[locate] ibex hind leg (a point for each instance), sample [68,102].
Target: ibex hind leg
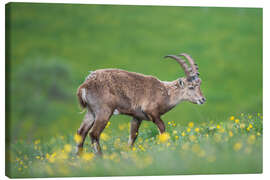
[86,125]
[102,118]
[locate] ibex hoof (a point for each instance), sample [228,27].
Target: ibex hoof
[79,151]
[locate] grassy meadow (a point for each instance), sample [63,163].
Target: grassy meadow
[51,48]
[231,146]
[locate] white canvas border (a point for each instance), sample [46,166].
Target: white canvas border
[209,3]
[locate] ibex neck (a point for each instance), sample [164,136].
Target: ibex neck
[174,92]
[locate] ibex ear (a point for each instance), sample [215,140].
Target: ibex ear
[181,83]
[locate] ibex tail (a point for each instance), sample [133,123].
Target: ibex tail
[81,93]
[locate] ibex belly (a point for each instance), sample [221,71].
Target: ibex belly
[137,112]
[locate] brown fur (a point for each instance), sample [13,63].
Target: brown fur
[126,91]
[140,96]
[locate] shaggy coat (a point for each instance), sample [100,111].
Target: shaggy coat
[113,91]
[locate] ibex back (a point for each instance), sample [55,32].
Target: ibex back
[108,92]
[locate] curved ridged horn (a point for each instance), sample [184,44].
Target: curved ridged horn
[191,62]
[182,63]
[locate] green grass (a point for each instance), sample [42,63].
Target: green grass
[232,146]
[51,48]
[225,42]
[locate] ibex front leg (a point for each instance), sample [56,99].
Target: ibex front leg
[134,127]
[160,125]
[156,119]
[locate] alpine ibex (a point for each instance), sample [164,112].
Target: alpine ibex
[106,92]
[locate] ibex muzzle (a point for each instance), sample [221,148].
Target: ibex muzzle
[108,92]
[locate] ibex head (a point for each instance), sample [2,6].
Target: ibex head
[190,84]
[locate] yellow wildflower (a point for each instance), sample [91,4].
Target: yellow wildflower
[250,126]
[191,124]
[230,133]
[197,129]
[53,154]
[236,121]
[237,146]
[67,148]
[141,147]
[174,132]
[183,133]
[218,126]
[78,138]
[88,156]
[164,137]
[47,156]
[108,124]
[188,129]
[104,136]
[37,141]
[176,137]
[232,118]
[51,159]
[38,157]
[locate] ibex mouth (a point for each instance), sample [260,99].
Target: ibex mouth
[200,102]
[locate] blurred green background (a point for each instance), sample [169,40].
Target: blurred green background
[51,48]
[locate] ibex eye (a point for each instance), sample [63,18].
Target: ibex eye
[191,87]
